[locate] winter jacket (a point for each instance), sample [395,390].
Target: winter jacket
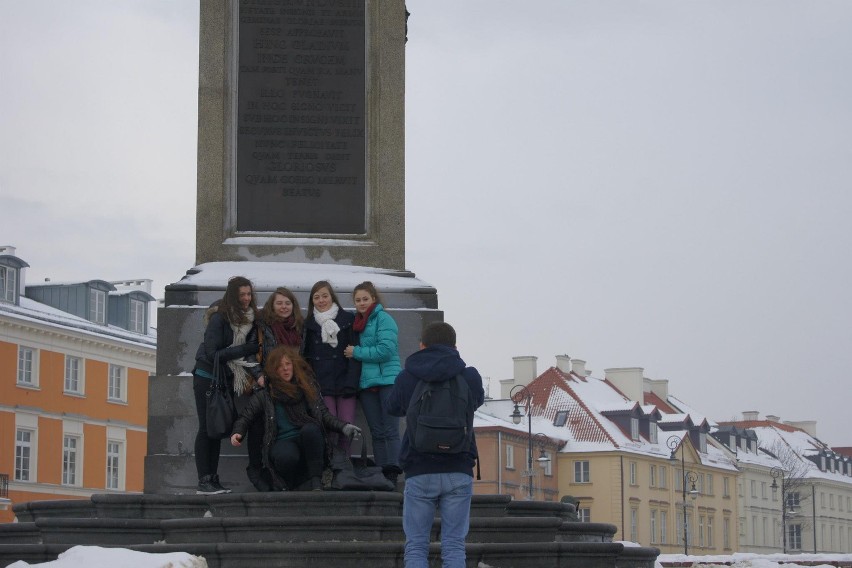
[336,374]
[434,363]
[262,407]
[378,350]
[218,337]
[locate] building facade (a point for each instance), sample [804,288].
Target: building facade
[74,365]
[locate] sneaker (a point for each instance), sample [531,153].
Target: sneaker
[207,487]
[214,479]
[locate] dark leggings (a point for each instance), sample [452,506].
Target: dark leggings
[254,441]
[206,449]
[300,458]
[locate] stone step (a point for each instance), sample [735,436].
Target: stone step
[373,554]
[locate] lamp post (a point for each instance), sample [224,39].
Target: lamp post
[776,473]
[520,392]
[673,442]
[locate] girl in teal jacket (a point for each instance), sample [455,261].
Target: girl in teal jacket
[378,351]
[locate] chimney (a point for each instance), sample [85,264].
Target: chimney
[563,363]
[773,418]
[7,249]
[750,414]
[628,380]
[578,366]
[525,369]
[659,387]
[506,385]
[808,426]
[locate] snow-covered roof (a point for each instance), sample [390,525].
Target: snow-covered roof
[36,312]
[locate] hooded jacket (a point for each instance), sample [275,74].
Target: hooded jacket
[433,364]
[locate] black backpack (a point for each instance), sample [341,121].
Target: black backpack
[440,417]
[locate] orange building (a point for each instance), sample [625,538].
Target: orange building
[74,365]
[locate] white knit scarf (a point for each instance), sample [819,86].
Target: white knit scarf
[237,366]
[327,324]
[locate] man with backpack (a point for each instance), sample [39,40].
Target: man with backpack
[437,393]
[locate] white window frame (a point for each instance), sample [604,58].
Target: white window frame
[584,514]
[664,520]
[652,476]
[25,445]
[97,306]
[634,429]
[653,432]
[634,524]
[510,456]
[117,436]
[74,375]
[117,374]
[8,284]
[702,442]
[72,450]
[726,533]
[27,372]
[710,536]
[726,487]
[582,471]
[113,464]
[663,478]
[633,473]
[794,537]
[548,465]
[708,485]
[137,317]
[652,526]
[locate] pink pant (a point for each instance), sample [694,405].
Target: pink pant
[343,408]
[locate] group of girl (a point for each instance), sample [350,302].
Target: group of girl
[296,381]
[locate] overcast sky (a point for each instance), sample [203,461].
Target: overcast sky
[654,184]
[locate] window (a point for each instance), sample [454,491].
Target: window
[634,515]
[664,519]
[831,500]
[653,432]
[633,480]
[794,537]
[710,535]
[113,465]
[708,484]
[510,456]
[792,500]
[8,283]
[726,487]
[581,472]
[765,531]
[23,454]
[137,316]
[652,476]
[547,466]
[97,306]
[822,500]
[116,387]
[561,418]
[663,478]
[585,514]
[699,483]
[754,529]
[634,429]
[70,461]
[653,526]
[763,494]
[27,366]
[73,375]
[726,533]
[701,530]
[754,488]
[678,479]
[702,442]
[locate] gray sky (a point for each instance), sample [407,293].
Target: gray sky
[655,184]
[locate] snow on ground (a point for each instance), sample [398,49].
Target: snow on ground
[748,560]
[97,557]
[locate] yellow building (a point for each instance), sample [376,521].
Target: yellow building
[626,456]
[74,365]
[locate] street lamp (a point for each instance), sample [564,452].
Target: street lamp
[542,441]
[776,473]
[523,393]
[688,476]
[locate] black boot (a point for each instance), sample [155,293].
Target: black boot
[316,484]
[207,487]
[255,475]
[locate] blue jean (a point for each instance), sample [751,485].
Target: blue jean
[384,428]
[450,493]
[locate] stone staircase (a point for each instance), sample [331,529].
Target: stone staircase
[303,529]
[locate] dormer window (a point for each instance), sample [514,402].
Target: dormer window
[634,429]
[137,316]
[97,306]
[702,442]
[744,445]
[652,432]
[8,283]
[561,418]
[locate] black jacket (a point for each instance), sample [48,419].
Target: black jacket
[261,406]
[218,337]
[267,344]
[435,363]
[336,375]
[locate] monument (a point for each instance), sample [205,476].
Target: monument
[301,178]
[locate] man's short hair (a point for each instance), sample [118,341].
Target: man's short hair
[439,333]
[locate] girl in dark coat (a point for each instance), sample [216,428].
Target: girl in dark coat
[228,337]
[328,330]
[280,323]
[295,448]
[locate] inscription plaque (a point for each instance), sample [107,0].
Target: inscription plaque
[300,117]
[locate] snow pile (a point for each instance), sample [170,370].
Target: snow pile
[750,560]
[98,557]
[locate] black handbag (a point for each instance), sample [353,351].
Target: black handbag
[362,476]
[221,412]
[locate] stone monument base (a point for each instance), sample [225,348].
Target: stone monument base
[172,421]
